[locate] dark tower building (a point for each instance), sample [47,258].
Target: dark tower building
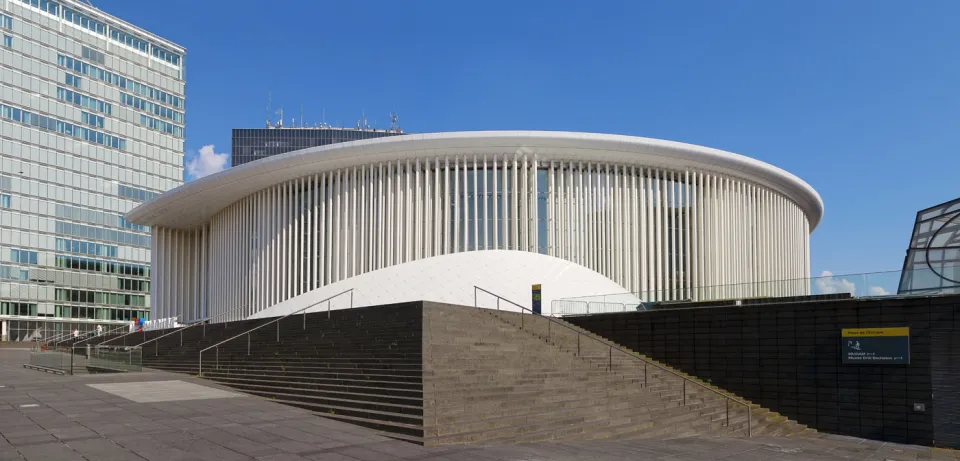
[251,144]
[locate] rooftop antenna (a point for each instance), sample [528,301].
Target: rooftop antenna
[393,122]
[267,113]
[301,115]
[280,121]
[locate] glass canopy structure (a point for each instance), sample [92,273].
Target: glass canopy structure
[932,264]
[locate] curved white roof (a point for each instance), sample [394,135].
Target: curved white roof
[197,201]
[450,279]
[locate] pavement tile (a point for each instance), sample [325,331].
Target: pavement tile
[401,449]
[282,457]
[74,433]
[366,454]
[76,421]
[50,451]
[293,446]
[23,441]
[331,457]
[10,455]
[103,450]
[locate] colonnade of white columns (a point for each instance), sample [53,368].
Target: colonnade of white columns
[666,234]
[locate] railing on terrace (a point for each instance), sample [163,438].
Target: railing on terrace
[143,332]
[528,320]
[70,359]
[82,335]
[54,358]
[276,321]
[92,334]
[203,322]
[43,344]
[115,358]
[863,285]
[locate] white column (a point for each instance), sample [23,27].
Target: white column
[553,205]
[643,246]
[446,205]
[523,195]
[533,201]
[587,221]
[633,273]
[408,212]
[687,217]
[456,204]
[514,207]
[505,205]
[560,218]
[476,208]
[325,237]
[496,191]
[465,200]
[438,204]
[486,200]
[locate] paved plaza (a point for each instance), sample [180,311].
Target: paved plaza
[161,416]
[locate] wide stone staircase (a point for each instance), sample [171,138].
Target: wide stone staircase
[656,375]
[440,374]
[495,376]
[362,366]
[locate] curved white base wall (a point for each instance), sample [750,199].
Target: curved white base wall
[451,278]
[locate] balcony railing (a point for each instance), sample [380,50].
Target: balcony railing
[863,285]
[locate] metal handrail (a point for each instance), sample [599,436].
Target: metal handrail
[90,333]
[67,338]
[70,336]
[39,345]
[277,321]
[128,334]
[202,321]
[612,346]
[54,338]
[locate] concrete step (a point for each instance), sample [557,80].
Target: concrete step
[535,413]
[382,416]
[399,388]
[565,424]
[389,396]
[374,375]
[704,405]
[762,424]
[408,432]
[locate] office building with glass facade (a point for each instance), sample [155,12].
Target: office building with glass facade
[91,124]
[251,144]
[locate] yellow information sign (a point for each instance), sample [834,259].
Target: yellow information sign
[874,332]
[536,298]
[875,346]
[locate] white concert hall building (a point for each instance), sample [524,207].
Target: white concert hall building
[430,216]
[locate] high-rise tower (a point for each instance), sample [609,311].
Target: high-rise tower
[91,124]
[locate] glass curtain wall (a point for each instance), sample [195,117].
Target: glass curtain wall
[932,263]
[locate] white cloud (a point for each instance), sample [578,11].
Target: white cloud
[826,284]
[878,291]
[207,162]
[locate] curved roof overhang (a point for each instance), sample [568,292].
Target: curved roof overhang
[195,202]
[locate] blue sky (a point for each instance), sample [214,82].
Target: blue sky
[858,98]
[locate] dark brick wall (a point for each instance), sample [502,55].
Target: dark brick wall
[786,357]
